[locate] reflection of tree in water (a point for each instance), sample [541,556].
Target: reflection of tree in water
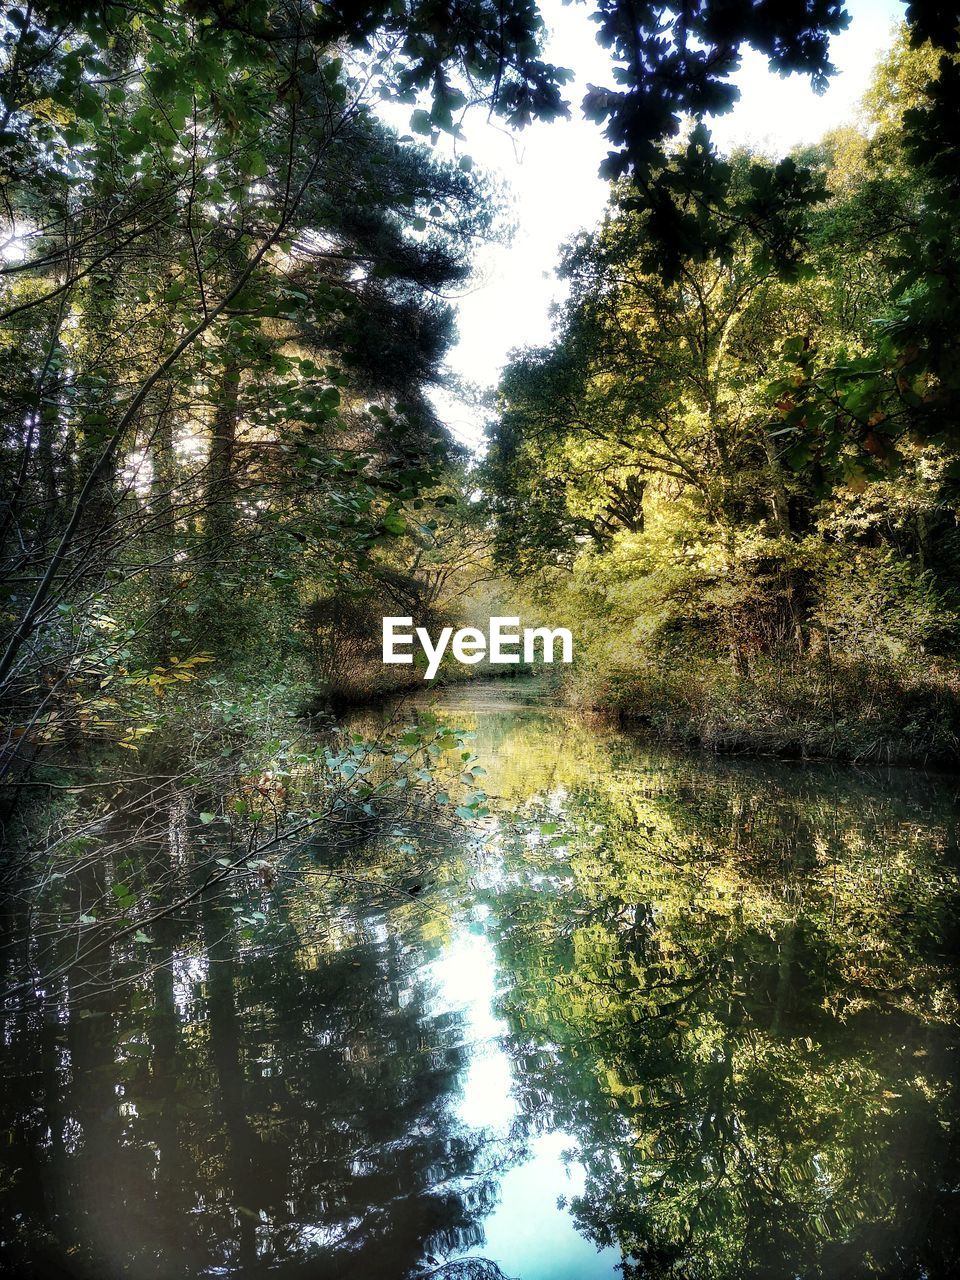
[467,1269]
[733,986]
[246,1109]
[754,1052]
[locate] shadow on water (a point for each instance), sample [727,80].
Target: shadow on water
[674,1017]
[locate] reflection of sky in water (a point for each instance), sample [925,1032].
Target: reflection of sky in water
[465,974]
[528,1234]
[189,973]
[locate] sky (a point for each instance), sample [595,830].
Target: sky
[550,172]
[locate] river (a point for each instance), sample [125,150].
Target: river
[661,1011]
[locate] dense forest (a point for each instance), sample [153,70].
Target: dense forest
[238,853]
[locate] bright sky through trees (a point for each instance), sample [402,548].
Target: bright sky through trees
[551,173]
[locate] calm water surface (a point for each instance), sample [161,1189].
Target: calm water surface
[665,1014]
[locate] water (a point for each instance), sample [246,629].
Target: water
[683,1016]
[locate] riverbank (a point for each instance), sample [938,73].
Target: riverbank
[839,710]
[376,683]
[849,711]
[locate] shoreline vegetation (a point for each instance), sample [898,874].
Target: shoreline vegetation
[828,714]
[848,714]
[844,713]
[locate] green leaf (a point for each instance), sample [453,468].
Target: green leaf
[393,523]
[87,103]
[123,896]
